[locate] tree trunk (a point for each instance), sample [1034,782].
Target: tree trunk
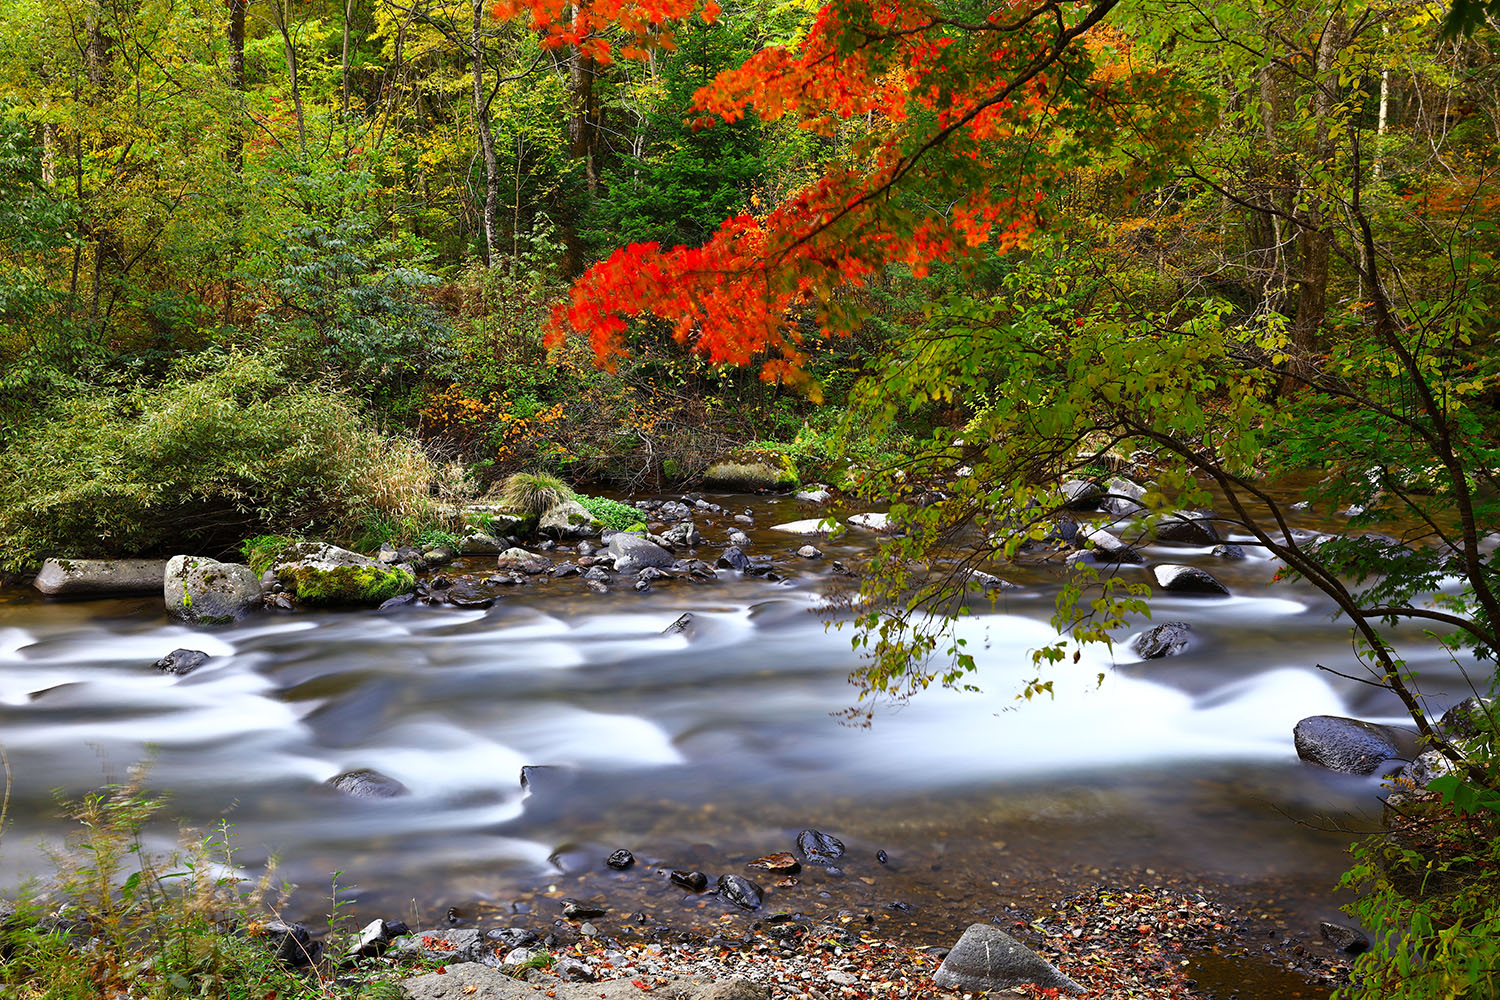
[284,25]
[236,147]
[581,128]
[486,139]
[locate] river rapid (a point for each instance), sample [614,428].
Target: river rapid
[710,748]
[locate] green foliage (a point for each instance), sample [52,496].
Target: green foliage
[226,448]
[260,553]
[532,494]
[610,513]
[342,585]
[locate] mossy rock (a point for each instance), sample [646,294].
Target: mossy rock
[321,575]
[751,477]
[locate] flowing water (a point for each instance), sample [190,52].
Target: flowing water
[710,748]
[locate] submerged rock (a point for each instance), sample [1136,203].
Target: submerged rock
[365,783]
[1167,639]
[1348,745]
[986,959]
[819,847]
[692,881]
[620,860]
[182,661]
[203,591]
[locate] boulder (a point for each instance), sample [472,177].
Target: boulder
[321,574]
[808,526]
[522,561]
[733,558]
[1080,494]
[874,521]
[100,577]
[182,661]
[477,543]
[986,959]
[740,891]
[978,579]
[1347,745]
[739,539]
[1123,497]
[1107,547]
[750,477]
[683,535]
[450,946]
[1167,639]
[569,519]
[203,591]
[1228,550]
[1191,527]
[364,783]
[1415,776]
[810,552]
[632,553]
[1178,579]
[812,496]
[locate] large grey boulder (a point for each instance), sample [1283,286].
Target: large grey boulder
[569,519]
[1123,497]
[453,944]
[477,543]
[530,563]
[1108,547]
[632,553]
[986,959]
[204,591]
[100,577]
[1080,494]
[320,574]
[750,477]
[1348,745]
[1178,579]
[1191,527]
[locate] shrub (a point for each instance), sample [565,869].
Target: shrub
[228,447]
[611,513]
[532,494]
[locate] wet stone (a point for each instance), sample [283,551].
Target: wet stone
[365,783]
[573,909]
[1349,940]
[740,891]
[819,847]
[781,863]
[620,860]
[986,959]
[810,552]
[182,661]
[733,558]
[515,937]
[693,881]
[1166,639]
[1228,551]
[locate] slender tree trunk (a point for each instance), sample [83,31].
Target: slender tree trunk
[284,26]
[581,147]
[344,67]
[49,153]
[236,148]
[486,139]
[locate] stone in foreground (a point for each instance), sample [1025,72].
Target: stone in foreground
[633,553]
[1347,745]
[986,959]
[203,591]
[100,577]
[1167,639]
[320,574]
[1178,579]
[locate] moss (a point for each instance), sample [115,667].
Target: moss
[346,584]
[752,475]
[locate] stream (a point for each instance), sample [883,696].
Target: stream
[711,748]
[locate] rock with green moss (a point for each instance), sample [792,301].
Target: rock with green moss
[203,591]
[750,477]
[569,519]
[320,574]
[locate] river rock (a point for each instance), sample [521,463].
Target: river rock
[1080,494]
[182,661]
[513,937]
[1178,579]
[1349,940]
[100,577]
[739,539]
[573,909]
[748,476]
[620,860]
[321,574]
[477,543]
[203,591]
[692,881]
[733,558]
[569,519]
[978,579]
[467,594]
[986,959]
[810,552]
[1348,745]
[526,562]
[1191,527]
[364,783]
[1107,547]
[674,510]
[819,847]
[807,526]
[539,778]
[1167,639]
[874,521]
[292,944]
[1414,777]
[740,891]
[812,496]
[683,536]
[632,553]
[1123,497]
[685,625]
[572,970]
[452,945]
[1469,716]
[1228,550]
[782,863]
[374,938]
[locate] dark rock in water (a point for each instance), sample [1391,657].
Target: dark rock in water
[596,586]
[514,937]
[1167,639]
[694,881]
[573,909]
[1228,551]
[1349,940]
[819,847]
[684,625]
[1080,494]
[733,558]
[683,536]
[182,661]
[1124,497]
[740,891]
[1348,745]
[986,959]
[882,857]
[899,905]
[596,573]
[468,595]
[632,553]
[542,777]
[839,569]
[782,864]
[566,569]
[399,601]
[620,860]
[292,943]
[1178,579]
[1191,527]
[367,784]
[642,585]
[1469,716]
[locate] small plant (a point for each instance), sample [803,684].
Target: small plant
[534,493]
[262,551]
[611,513]
[438,538]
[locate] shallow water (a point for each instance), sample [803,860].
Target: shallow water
[710,749]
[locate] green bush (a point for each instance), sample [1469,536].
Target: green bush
[226,448]
[611,513]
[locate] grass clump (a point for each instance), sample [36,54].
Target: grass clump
[532,494]
[610,513]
